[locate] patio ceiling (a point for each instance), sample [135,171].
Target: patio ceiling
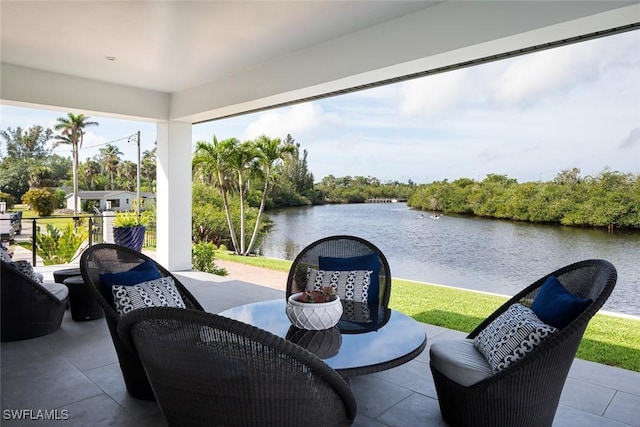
[196,61]
[180,62]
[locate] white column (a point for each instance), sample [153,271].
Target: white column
[174,195]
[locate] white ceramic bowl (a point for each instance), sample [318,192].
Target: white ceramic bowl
[313,316]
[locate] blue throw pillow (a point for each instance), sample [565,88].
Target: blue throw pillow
[363,262]
[556,306]
[141,273]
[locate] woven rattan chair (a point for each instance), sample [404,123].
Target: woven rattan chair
[29,309]
[110,258]
[527,392]
[209,370]
[343,247]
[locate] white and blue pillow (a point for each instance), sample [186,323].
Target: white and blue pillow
[511,336]
[153,293]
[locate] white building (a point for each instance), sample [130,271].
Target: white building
[116,200]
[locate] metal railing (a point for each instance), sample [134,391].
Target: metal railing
[29,229]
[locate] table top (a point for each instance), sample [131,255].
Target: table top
[350,348]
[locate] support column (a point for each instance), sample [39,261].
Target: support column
[173,249]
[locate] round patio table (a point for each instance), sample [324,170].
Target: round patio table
[392,339]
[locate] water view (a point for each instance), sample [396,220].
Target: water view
[481,254]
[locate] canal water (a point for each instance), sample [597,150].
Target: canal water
[474,253]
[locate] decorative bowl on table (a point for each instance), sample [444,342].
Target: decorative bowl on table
[314,316]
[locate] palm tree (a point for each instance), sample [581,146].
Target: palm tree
[72,132]
[110,158]
[128,170]
[91,170]
[271,152]
[242,160]
[210,162]
[148,167]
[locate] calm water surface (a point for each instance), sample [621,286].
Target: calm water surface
[473,253]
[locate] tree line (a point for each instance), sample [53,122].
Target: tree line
[610,200]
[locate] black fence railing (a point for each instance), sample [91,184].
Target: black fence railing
[55,241]
[54,244]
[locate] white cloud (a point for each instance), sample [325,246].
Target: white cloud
[433,96]
[299,119]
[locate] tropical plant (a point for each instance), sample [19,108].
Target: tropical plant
[91,171]
[56,247]
[131,219]
[211,166]
[72,132]
[271,152]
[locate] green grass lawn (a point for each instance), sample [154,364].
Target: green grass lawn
[609,340]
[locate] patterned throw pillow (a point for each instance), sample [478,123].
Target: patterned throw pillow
[26,268]
[154,293]
[350,285]
[511,336]
[5,255]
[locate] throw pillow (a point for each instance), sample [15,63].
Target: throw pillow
[6,256]
[153,293]
[363,262]
[26,268]
[350,285]
[511,336]
[556,306]
[140,273]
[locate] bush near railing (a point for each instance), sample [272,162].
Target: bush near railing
[57,239]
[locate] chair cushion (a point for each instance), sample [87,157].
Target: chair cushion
[459,361]
[153,293]
[352,285]
[363,262]
[511,336]
[141,273]
[59,291]
[556,306]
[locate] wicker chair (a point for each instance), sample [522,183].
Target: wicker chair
[210,370]
[29,309]
[343,247]
[110,258]
[527,392]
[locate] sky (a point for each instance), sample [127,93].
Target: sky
[528,117]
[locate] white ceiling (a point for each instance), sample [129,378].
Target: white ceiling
[200,60]
[169,46]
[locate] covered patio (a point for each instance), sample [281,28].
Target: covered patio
[75,370]
[177,63]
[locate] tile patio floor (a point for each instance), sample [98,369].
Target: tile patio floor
[76,369]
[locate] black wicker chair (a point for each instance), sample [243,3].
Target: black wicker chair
[343,247]
[110,258]
[527,392]
[29,310]
[209,370]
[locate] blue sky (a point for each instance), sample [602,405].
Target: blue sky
[528,117]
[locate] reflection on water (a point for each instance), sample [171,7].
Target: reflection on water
[482,254]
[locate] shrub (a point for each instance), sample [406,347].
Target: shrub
[42,200]
[202,258]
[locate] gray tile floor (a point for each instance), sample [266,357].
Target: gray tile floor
[75,371]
